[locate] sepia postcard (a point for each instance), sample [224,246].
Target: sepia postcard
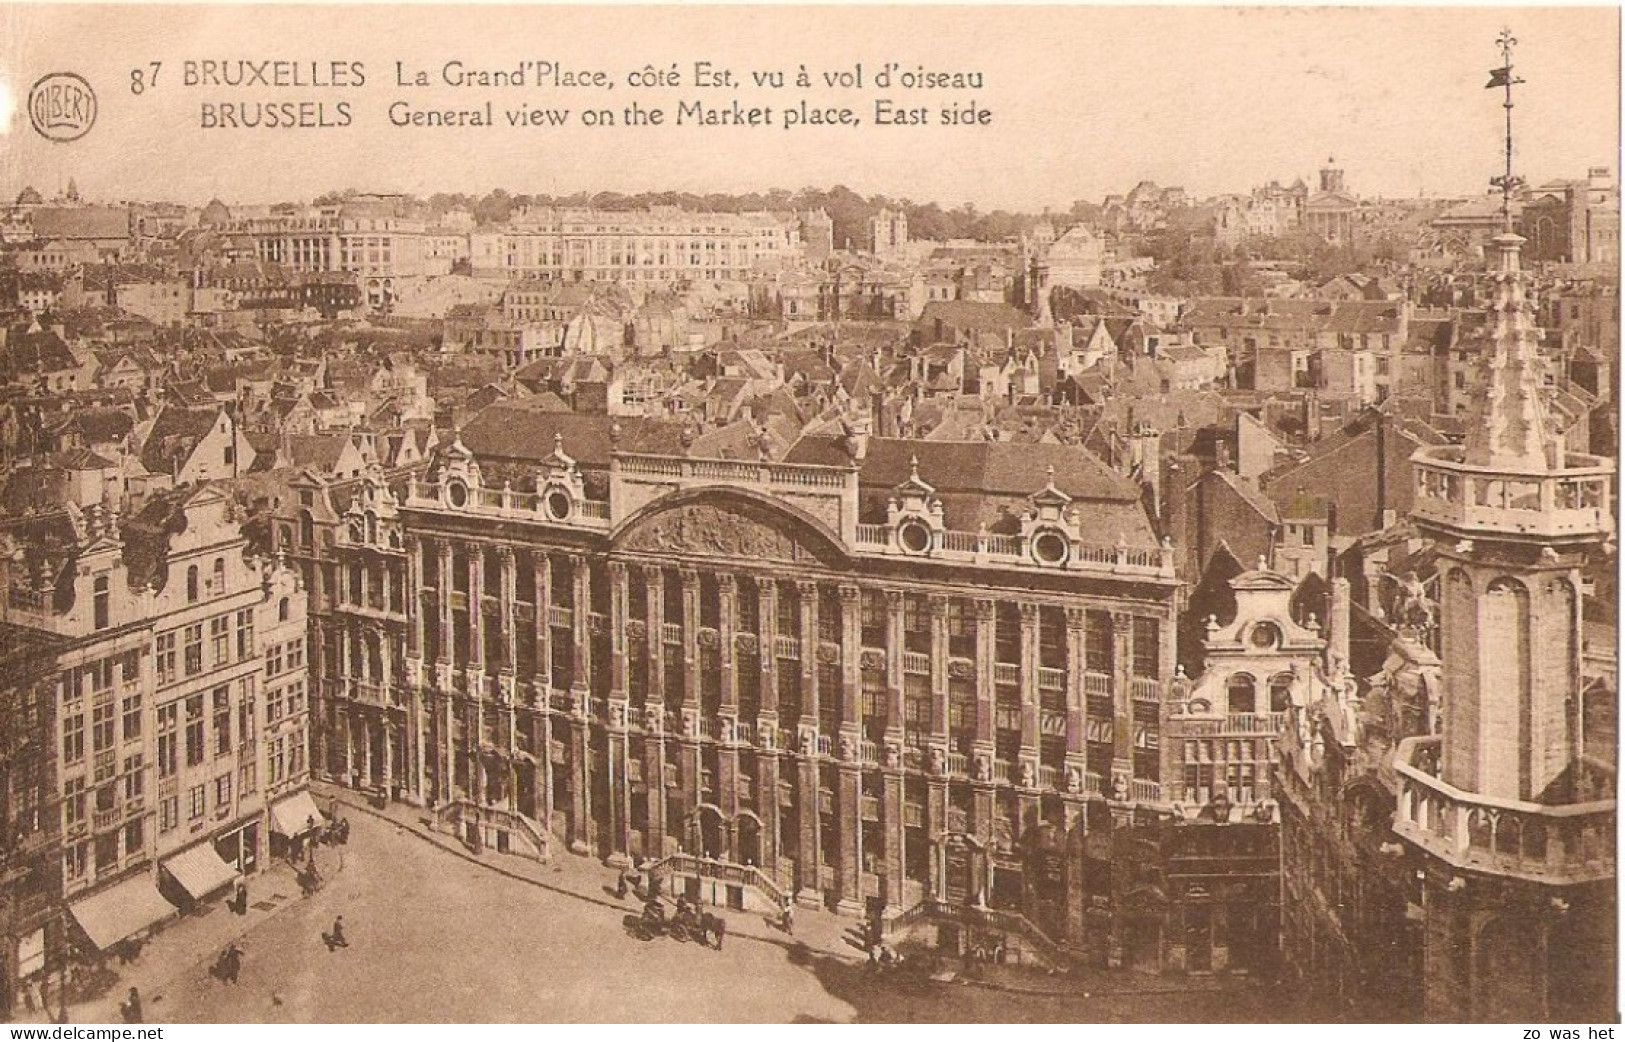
[808,514]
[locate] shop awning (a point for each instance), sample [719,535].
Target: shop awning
[111,915]
[296,815]
[200,871]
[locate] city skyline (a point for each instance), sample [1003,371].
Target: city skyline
[1395,95]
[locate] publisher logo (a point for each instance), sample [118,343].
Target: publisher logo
[62,106]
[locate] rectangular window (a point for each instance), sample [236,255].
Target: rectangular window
[273,705]
[132,716]
[130,666]
[73,738]
[222,720]
[248,777]
[275,762]
[245,634]
[169,813]
[222,791]
[296,653]
[273,660]
[296,753]
[100,673]
[196,802]
[168,717]
[194,730]
[134,837]
[76,861]
[102,729]
[194,649]
[73,802]
[219,641]
[135,775]
[1097,642]
[164,658]
[1147,646]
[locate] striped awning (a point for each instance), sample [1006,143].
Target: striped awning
[200,871]
[296,815]
[110,915]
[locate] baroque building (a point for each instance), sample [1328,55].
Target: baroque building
[868,673]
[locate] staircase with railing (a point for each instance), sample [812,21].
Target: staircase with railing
[933,911]
[727,872]
[453,816]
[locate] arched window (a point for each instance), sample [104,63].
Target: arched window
[219,575]
[1241,691]
[191,584]
[282,610]
[102,602]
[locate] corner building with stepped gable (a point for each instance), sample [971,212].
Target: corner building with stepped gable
[868,674]
[1464,869]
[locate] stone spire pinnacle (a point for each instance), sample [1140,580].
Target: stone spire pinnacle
[1510,427]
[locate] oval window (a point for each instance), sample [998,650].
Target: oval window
[914,537]
[558,504]
[1049,547]
[456,493]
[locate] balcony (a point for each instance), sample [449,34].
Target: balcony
[1238,724]
[1556,844]
[503,503]
[1049,778]
[982,548]
[1051,679]
[1569,503]
[671,632]
[1006,673]
[870,806]
[1098,684]
[868,752]
[917,663]
[1142,791]
[958,765]
[1142,689]
[786,647]
[560,617]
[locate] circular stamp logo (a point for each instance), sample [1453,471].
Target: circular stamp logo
[62,106]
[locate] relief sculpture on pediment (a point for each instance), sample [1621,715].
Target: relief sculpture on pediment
[713,531]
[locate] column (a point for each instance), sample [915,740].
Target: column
[654,746]
[728,706]
[1122,704]
[414,605]
[476,617]
[896,641]
[581,821]
[620,782]
[981,824]
[448,654]
[768,764]
[809,654]
[892,827]
[1026,773]
[939,673]
[1077,758]
[506,604]
[688,742]
[850,697]
[542,569]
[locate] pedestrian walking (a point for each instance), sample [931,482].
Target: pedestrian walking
[130,1008]
[620,885]
[788,920]
[335,938]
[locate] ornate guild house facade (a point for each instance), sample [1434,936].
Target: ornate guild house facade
[854,675]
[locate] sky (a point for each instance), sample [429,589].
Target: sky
[1085,101]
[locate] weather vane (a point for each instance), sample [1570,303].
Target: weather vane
[1503,78]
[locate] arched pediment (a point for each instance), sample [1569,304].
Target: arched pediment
[728,523]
